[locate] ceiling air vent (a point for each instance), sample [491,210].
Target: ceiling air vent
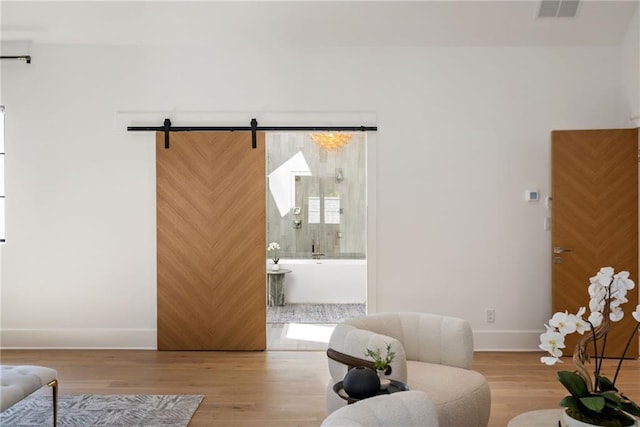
[558,8]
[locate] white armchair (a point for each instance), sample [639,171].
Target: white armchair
[406,409]
[433,354]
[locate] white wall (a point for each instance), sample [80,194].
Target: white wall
[463,132]
[630,66]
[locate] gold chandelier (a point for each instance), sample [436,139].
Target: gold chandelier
[331,141]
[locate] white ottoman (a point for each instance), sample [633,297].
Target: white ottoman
[19,381]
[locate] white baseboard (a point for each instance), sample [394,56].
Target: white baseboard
[146,339]
[98,338]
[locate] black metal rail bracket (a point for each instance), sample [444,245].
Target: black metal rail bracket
[25,58]
[167,129]
[254,137]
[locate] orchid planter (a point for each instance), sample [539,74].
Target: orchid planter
[594,398]
[569,421]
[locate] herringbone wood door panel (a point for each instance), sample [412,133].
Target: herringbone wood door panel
[595,215]
[211,231]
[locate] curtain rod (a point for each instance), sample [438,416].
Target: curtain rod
[25,58]
[253,128]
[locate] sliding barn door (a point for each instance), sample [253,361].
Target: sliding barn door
[595,221]
[211,231]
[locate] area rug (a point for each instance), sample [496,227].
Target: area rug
[103,410]
[314,313]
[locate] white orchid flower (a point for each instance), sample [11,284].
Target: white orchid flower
[596,290]
[581,325]
[617,302]
[273,246]
[636,313]
[563,323]
[548,360]
[605,276]
[621,275]
[620,286]
[596,304]
[595,318]
[616,314]
[622,280]
[552,342]
[619,296]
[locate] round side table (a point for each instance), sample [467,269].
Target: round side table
[394,387]
[539,418]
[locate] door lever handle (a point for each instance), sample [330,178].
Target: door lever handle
[559,250]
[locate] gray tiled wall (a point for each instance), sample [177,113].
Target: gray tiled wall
[343,240]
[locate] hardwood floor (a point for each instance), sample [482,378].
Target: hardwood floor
[281,388]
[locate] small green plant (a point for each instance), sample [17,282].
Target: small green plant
[381,363]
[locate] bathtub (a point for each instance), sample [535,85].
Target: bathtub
[325,281]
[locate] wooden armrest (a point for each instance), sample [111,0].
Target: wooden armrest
[352,361]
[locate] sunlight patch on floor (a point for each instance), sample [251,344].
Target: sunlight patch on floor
[306,332]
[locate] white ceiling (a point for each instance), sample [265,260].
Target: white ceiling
[313,23]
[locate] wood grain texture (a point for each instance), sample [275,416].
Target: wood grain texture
[283,388]
[595,213]
[211,242]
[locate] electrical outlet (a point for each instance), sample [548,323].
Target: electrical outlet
[491,316]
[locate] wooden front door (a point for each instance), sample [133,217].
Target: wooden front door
[595,221]
[211,231]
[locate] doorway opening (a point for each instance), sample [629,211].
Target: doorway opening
[317,231]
